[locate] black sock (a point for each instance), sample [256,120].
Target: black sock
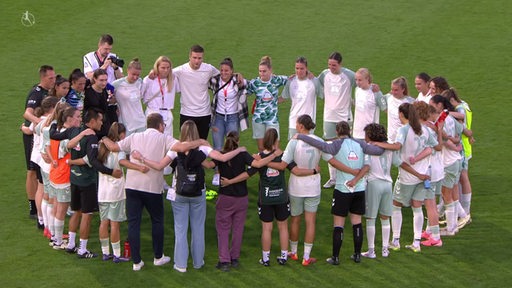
[32,207]
[337,239]
[357,231]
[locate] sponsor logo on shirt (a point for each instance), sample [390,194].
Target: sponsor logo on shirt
[352,156]
[272,172]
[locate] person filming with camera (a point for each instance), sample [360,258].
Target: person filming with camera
[104,59]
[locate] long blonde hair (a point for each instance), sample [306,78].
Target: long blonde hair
[189,131]
[159,61]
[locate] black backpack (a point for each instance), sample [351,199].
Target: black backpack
[189,173]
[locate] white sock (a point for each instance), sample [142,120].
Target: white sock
[265,255]
[59,230]
[460,211]
[51,219]
[116,248]
[44,208]
[465,200]
[435,232]
[71,240]
[293,246]
[450,216]
[396,221]
[370,233]
[440,206]
[284,254]
[40,218]
[417,222]
[385,232]
[307,250]
[83,246]
[105,247]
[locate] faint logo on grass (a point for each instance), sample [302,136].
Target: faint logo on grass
[28,19]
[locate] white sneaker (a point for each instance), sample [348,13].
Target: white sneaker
[137,267]
[462,222]
[446,232]
[369,254]
[385,252]
[330,183]
[162,261]
[394,245]
[216,179]
[182,270]
[413,248]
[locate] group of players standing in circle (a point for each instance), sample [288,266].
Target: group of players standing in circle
[428,139]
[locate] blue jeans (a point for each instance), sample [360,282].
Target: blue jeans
[187,209]
[223,125]
[135,202]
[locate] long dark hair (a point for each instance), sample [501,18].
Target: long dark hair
[270,139]
[306,121]
[113,134]
[440,99]
[410,114]
[231,142]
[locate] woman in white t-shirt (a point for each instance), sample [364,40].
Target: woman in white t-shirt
[368,103]
[128,93]
[452,159]
[111,194]
[229,106]
[398,95]
[304,186]
[302,90]
[338,83]
[159,90]
[421,83]
[412,139]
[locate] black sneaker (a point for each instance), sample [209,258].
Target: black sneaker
[39,226]
[235,263]
[333,260]
[87,255]
[223,266]
[265,263]
[356,257]
[72,250]
[281,261]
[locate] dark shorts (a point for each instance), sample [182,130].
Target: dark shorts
[38,172]
[202,123]
[28,142]
[342,203]
[280,212]
[84,198]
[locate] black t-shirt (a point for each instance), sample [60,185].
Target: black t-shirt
[34,99]
[233,168]
[99,101]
